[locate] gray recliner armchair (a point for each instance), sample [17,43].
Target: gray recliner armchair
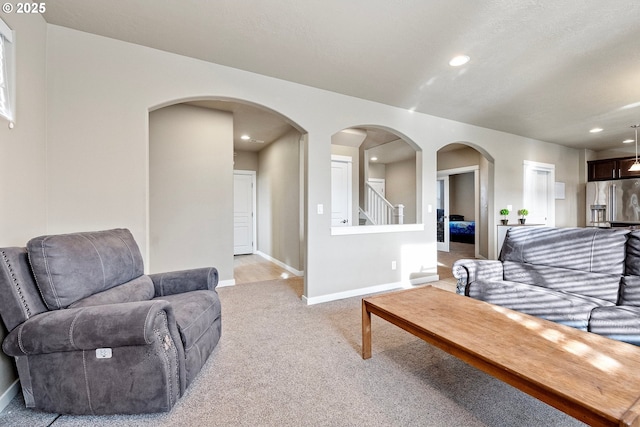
[92,334]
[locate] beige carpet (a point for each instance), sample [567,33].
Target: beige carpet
[282,363]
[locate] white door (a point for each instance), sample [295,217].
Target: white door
[442,213]
[340,191]
[243,217]
[539,193]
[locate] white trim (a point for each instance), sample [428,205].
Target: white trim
[225,283]
[372,229]
[549,168]
[9,394]
[281,264]
[339,158]
[369,290]
[5,31]
[457,171]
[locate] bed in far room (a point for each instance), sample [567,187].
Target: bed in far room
[460,230]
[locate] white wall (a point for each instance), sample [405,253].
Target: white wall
[279,200]
[100,91]
[245,160]
[191,189]
[462,195]
[23,197]
[401,187]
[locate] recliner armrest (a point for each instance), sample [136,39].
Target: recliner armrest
[177,282]
[470,270]
[88,328]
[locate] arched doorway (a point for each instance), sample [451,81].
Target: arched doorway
[196,147]
[465,220]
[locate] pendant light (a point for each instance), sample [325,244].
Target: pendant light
[635,167]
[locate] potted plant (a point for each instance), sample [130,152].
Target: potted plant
[504,213]
[522,213]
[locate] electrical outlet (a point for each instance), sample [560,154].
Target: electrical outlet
[394,265]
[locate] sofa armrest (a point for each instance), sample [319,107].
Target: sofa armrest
[88,328]
[470,270]
[177,282]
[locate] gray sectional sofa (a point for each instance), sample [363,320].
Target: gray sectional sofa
[92,334]
[587,278]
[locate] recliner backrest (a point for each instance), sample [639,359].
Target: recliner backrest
[71,267]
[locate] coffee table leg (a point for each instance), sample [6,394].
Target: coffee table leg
[366,332]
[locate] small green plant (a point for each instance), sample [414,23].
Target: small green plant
[523,213]
[504,213]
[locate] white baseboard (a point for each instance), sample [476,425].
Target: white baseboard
[223,283]
[9,394]
[280,264]
[370,290]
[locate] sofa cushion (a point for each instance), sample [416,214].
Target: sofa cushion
[586,249]
[70,267]
[630,291]
[597,285]
[197,314]
[633,254]
[558,306]
[620,323]
[138,289]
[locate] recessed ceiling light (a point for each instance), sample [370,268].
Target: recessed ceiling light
[373,159]
[596,130]
[245,137]
[628,141]
[459,60]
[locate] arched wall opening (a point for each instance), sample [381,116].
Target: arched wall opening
[466,199]
[196,150]
[385,183]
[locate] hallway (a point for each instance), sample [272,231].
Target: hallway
[445,262]
[254,268]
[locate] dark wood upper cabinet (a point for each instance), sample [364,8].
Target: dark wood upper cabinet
[600,170]
[623,168]
[606,169]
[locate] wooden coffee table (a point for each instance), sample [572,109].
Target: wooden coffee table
[590,377]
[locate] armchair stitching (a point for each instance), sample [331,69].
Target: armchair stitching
[104,274]
[46,265]
[16,283]
[20,338]
[193,321]
[146,320]
[86,380]
[72,326]
[133,263]
[168,361]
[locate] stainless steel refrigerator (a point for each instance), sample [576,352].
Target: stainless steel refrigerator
[613,203]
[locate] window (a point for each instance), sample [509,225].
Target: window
[6,73]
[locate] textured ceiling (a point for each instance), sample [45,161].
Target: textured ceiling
[549,70]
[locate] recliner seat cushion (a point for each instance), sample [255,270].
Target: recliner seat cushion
[70,267]
[557,306]
[197,314]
